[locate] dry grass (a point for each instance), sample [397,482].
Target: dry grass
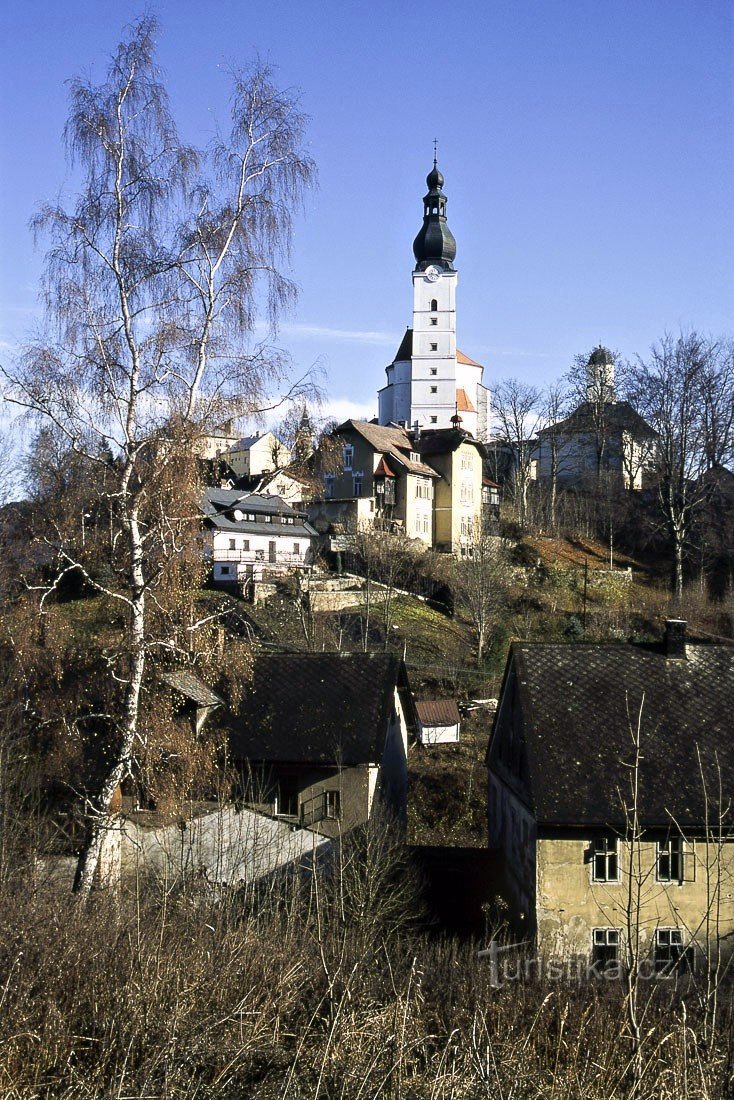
[318,989]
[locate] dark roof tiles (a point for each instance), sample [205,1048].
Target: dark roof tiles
[580,704]
[320,708]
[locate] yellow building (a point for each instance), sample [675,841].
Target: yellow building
[611,776]
[426,485]
[457,457]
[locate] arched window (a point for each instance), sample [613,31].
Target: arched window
[434,305]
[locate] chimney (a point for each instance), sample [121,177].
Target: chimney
[674,644]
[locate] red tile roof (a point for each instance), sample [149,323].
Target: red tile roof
[463,404]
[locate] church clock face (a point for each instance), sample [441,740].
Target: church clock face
[432,273]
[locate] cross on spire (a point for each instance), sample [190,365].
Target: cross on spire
[435,152]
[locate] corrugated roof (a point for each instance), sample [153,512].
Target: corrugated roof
[321,708]
[438,712]
[577,704]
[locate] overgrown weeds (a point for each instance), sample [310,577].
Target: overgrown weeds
[316,988]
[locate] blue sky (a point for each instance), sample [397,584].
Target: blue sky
[588,150]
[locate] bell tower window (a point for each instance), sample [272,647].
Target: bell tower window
[434,305]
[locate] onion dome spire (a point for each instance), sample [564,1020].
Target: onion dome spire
[435,244]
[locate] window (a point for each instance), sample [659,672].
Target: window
[297,549]
[348,456]
[434,305]
[434,420]
[669,854]
[434,371]
[605,864]
[288,519]
[415,456]
[259,555]
[328,486]
[434,389]
[357,485]
[233,544]
[272,553]
[224,570]
[605,949]
[286,803]
[332,804]
[245,544]
[671,957]
[434,347]
[434,320]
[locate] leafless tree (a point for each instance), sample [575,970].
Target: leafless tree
[152,284]
[670,390]
[594,380]
[517,411]
[553,408]
[479,581]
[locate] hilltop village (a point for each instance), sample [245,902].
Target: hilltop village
[388,758]
[445,620]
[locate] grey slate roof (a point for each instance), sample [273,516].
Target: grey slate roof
[619,416]
[218,505]
[439,441]
[576,704]
[320,708]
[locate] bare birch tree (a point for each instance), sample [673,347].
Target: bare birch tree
[152,287]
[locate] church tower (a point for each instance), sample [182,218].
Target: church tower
[429,380]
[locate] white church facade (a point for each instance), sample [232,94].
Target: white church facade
[430,382]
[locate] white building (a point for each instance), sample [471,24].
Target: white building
[430,380]
[253,536]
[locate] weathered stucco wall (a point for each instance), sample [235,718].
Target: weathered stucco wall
[570,904]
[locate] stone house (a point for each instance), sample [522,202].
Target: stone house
[563,769]
[321,739]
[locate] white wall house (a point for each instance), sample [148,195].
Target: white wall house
[253,536]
